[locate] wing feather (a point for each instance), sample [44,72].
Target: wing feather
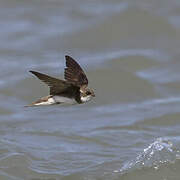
[56,86]
[74,73]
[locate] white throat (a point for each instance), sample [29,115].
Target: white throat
[86,98]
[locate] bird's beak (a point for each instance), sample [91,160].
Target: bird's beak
[93,95]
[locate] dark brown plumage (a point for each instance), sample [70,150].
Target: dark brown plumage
[56,85]
[74,73]
[75,86]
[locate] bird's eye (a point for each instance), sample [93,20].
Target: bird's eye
[88,93]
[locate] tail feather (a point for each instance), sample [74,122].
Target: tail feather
[47,100]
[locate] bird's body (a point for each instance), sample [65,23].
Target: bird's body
[50,100]
[70,91]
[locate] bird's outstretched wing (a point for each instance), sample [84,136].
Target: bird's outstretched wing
[74,73]
[56,86]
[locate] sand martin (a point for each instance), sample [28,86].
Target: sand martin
[74,89]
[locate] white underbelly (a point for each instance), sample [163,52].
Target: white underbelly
[86,98]
[60,99]
[48,102]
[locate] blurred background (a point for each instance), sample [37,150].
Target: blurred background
[130,51]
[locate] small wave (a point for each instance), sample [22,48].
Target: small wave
[162,75]
[156,154]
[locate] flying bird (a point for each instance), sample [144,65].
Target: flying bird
[74,89]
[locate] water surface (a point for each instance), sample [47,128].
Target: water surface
[130,52]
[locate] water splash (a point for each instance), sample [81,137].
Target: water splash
[158,153]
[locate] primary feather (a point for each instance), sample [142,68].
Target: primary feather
[74,73]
